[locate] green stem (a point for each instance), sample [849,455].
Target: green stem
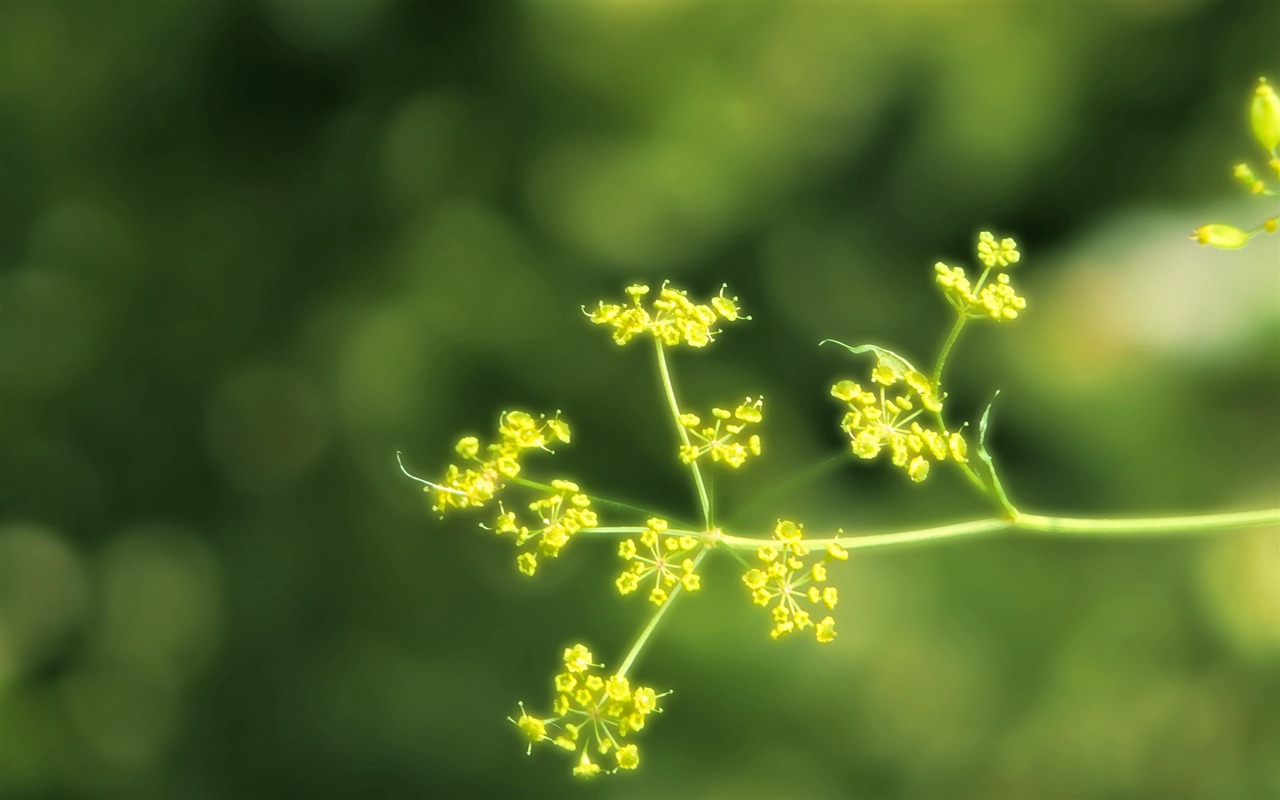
[655,619]
[703,497]
[886,539]
[1035,523]
[968,470]
[1152,525]
[938,365]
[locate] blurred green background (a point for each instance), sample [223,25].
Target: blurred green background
[249,250]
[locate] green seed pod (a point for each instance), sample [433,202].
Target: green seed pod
[1227,237]
[1264,115]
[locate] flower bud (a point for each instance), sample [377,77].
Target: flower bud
[1264,115]
[1227,237]
[1244,174]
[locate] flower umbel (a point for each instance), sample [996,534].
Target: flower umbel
[783,578]
[996,299]
[477,485]
[593,713]
[672,317]
[887,415]
[723,439]
[668,559]
[560,515]
[997,254]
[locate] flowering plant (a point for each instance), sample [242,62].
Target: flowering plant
[892,411]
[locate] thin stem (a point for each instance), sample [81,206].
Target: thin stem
[938,365]
[997,490]
[1151,525]
[969,472]
[703,497]
[1038,524]
[956,531]
[655,619]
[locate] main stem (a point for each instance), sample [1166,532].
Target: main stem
[1153,526]
[655,619]
[703,497]
[1037,523]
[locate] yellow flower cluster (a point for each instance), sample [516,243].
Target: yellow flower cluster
[476,486]
[997,254]
[672,317]
[720,439]
[995,299]
[592,714]
[1264,118]
[668,560]
[560,516]
[784,578]
[887,417]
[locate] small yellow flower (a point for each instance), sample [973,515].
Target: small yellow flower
[586,767]
[534,730]
[727,307]
[628,757]
[825,630]
[618,688]
[527,563]
[577,658]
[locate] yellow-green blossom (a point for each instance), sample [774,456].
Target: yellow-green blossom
[724,440]
[671,317]
[788,581]
[995,299]
[997,254]
[559,516]
[592,715]
[476,485]
[668,559]
[886,416]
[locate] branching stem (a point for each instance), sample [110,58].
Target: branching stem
[1034,524]
[703,497]
[655,619]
